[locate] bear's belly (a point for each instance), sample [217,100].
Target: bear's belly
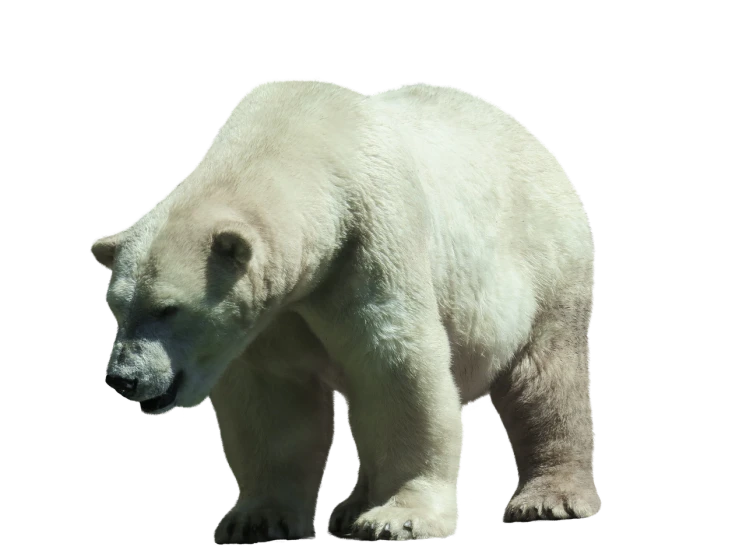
[488,318]
[473,373]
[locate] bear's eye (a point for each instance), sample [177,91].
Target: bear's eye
[165,312]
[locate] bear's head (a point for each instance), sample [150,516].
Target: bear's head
[189,291]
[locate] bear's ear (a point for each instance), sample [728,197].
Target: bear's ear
[232,241]
[105,248]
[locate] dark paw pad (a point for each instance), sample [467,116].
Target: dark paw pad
[253,532]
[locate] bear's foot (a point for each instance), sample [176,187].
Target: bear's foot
[346,513]
[397,523]
[262,524]
[548,498]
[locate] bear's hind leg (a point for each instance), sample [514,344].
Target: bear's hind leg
[544,404]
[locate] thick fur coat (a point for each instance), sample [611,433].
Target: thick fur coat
[413,250]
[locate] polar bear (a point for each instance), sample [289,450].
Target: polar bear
[413,250]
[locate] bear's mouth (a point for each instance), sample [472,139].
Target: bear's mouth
[163,402]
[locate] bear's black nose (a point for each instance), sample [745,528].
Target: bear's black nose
[124,386]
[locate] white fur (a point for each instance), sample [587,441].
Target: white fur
[414,250]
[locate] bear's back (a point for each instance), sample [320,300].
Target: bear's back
[509,228]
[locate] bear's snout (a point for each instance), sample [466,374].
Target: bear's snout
[124,386]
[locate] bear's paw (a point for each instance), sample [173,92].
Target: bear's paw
[398,523]
[547,499]
[262,524]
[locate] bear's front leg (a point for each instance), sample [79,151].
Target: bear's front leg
[276,423]
[405,413]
